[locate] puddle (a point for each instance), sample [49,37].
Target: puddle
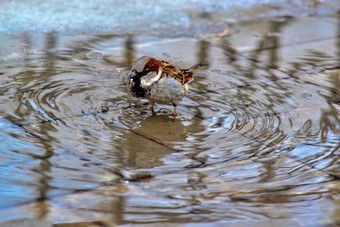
[256,139]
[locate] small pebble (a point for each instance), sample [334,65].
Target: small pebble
[104,109]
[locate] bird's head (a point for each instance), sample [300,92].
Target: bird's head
[147,70]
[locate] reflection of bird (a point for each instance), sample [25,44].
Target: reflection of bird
[159,81]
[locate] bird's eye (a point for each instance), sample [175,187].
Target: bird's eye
[146,71]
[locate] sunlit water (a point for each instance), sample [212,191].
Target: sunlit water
[248,141]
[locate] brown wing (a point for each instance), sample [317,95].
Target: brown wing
[172,71]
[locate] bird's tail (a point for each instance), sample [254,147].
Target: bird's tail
[187,73]
[193,69]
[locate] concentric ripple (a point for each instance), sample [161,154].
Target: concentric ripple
[68,117]
[63,89]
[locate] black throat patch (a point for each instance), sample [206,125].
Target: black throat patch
[136,89]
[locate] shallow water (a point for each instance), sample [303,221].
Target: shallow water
[256,140]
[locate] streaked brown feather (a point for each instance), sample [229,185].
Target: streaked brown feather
[182,75]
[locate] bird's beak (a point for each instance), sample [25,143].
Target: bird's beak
[133,74]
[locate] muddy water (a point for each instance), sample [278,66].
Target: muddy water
[256,140]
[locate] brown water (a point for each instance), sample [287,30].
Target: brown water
[256,140]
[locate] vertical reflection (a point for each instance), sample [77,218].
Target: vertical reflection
[129,50]
[231,55]
[49,71]
[274,41]
[25,77]
[50,53]
[42,209]
[229,52]
[118,210]
[202,57]
[203,53]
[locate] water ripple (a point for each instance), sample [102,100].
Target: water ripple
[243,146]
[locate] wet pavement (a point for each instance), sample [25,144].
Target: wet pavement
[256,140]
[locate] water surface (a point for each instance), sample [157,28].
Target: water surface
[256,140]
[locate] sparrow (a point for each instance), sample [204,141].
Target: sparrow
[159,81]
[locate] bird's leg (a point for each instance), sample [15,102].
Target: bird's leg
[175,111]
[151,107]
